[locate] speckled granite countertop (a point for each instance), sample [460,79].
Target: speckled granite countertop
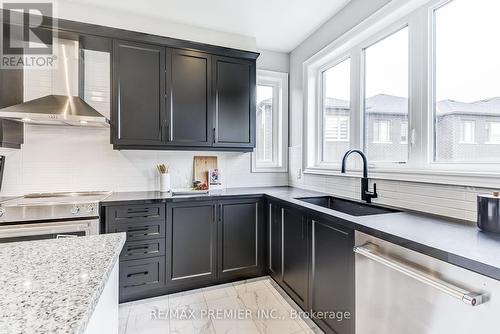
[53,286]
[451,240]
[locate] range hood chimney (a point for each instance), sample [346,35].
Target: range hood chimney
[50,94]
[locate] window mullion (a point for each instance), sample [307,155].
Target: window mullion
[357,82]
[419,112]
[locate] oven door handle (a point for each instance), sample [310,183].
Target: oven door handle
[471,298]
[12,231]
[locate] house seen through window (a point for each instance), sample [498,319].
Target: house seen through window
[336,111]
[271,122]
[493,132]
[264,125]
[386,98]
[382,132]
[467,89]
[468,132]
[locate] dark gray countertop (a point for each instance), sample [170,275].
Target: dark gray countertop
[456,242]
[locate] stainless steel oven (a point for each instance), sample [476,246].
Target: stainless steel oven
[50,216]
[48,230]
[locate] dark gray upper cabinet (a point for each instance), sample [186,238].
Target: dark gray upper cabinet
[234,98]
[332,274]
[138,107]
[191,242]
[166,98]
[189,90]
[11,87]
[240,238]
[274,241]
[295,255]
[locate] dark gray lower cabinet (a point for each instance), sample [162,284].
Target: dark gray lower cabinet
[240,238]
[332,275]
[274,232]
[295,255]
[139,277]
[313,261]
[142,260]
[192,245]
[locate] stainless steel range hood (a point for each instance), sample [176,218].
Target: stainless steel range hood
[50,95]
[56,110]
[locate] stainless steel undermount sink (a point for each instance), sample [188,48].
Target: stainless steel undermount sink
[352,208]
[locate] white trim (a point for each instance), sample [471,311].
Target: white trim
[279,82]
[434,176]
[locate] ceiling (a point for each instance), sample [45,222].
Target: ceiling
[278,25]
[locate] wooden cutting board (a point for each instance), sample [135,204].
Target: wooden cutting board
[201,166]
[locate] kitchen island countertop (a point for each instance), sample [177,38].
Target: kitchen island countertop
[53,286]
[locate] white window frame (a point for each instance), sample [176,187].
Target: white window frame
[404,142]
[320,102]
[418,15]
[384,34]
[279,82]
[464,121]
[340,119]
[488,131]
[389,133]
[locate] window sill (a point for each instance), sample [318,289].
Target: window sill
[270,170]
[445,177]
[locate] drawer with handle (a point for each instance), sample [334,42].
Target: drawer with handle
[138,276]
[133,250]
[139,231]
[123,214]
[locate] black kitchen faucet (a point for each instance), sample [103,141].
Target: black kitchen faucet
[366,195]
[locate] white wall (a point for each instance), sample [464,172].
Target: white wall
[73,159]
[95,15]
[453,201]
[273,61]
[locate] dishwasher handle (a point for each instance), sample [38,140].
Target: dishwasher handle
[471,298]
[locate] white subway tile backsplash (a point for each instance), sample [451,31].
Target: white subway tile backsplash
[75,159]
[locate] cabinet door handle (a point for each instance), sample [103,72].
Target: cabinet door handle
[214,132]
[304,225]
[142,229]
[468,297]
[136,248]
[143,273]
[135,211]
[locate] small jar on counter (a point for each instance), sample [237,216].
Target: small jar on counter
[488,212]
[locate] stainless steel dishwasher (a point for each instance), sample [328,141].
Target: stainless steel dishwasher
[401,291]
